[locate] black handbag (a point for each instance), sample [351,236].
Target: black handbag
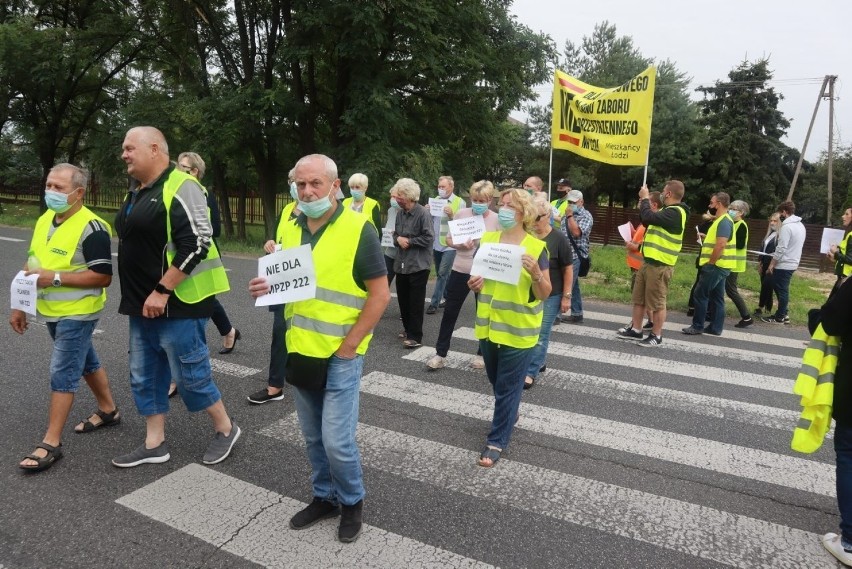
[585,262]
[306,372]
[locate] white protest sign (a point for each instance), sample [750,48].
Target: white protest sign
[290,274]
[436,207]
[830,237]
[466,228]
[626,231]
[498,262]
[387,237]
[24,292]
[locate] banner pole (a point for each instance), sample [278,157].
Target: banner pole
[550,173]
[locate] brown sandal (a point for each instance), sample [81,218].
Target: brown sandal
[107,420]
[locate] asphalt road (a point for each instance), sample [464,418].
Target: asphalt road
[675,456]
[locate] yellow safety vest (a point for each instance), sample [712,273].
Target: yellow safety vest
[455,204]
[57,254]
[815,384]
[561,208]
[728,259]
[316,327]
[741,249]
[285,218]
[504,313]
[367,209]
[635,258]
[843,247]
[662,245]
[209,276]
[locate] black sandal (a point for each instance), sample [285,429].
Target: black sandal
[491,454]
[107,420]
[44,462]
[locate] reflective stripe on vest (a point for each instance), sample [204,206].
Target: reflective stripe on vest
[635,258]
[366,210]
[57,254]
[504,314]
[455,204]
[316,327]
[741,249]
[209,276]
[728,259]
[662,245]
[815,385]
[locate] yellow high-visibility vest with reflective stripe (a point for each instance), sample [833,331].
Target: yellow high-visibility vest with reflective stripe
[728,259]
[57,254]
[209,276]
[455,204]
[843,247]
[815,384]
[504,313]
[316,327]
[662,245]
[741,248]
[285,218]
[367,209]
[561,208]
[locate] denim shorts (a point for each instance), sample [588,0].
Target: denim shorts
[166,349]
[73,353]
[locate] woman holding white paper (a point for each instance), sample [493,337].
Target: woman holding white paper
[481,195]
[509,317]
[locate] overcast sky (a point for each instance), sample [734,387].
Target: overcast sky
[802,40]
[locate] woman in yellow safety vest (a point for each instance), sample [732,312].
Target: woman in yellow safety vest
[841,253]
[509,314]
[361,203]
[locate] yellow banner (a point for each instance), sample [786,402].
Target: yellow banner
[607,125]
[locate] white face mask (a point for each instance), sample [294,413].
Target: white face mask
[444,193]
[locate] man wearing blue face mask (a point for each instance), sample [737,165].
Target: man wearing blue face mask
[443,254]
[70,253]
[577,226]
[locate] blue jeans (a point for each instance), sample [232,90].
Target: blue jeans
[328,419]
[710,291]
[505,367]
[576,297]
[443,265]
[166,349]
[73,353]
[551,311]
[843,450]
[781,286]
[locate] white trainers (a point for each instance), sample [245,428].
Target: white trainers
[477,362]
[437,362]
[832,542]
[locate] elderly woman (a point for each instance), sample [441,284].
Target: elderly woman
[360,202]
[413,236]
[738,210]
[481,194]
[561,271]
[509,317]
[768,247]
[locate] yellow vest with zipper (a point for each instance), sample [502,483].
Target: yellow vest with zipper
[728,258]
[316,327]
[741,249]
[57,254]
[367,209]
[662,245]
[209,276]
[504,313]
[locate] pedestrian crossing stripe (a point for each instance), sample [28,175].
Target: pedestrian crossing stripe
[232,369]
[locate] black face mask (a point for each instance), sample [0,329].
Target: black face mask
[782,217]
[711,210]
[562,190]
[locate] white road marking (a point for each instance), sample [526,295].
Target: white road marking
[12,239]
[232,369]
[703,532]
[251,522]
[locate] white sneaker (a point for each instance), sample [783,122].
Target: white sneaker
[437,362]
[477,362]
[832,542]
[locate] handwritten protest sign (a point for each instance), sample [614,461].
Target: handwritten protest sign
[436,207]
[467,228]
[498,262]
[290,274]
[24,292]
[830,237]
[387,237]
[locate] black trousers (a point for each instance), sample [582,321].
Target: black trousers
[455,293]
[278,349]
[734,294]
[411,293]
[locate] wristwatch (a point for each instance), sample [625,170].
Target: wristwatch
[162,289]
[57,280]
[567,295]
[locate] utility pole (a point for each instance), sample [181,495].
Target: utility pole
[830,79]
[822,94]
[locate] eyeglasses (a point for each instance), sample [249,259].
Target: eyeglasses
[184,167]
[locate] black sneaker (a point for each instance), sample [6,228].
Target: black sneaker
[143,455]
[690,331]
[350,523]
[775,319]
[431,309]
[443,303]
[758,313]
[744,323]
[574,319]
[317,510]
[263,396]
[629,334]
[648,325]
[651,341]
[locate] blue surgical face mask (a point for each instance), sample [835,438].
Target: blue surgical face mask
[733,215]
[574,207]
[506,217]
[357,195]
[479,208]
[316,208]
[294,192]
[57,201]
[394,204]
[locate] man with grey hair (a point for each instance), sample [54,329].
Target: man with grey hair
[443,254]
[170,271]
[327,337]
[70,253]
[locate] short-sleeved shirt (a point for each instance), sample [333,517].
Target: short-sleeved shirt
[584,220]
[560,256]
